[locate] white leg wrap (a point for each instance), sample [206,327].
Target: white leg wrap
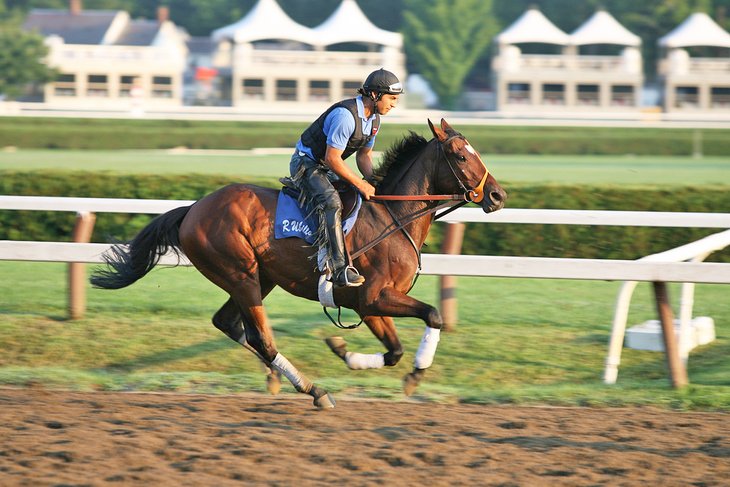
[359,361]
[283,365]
[427,348]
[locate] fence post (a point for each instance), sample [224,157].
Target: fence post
[77,270]
[677,370]
[453,238]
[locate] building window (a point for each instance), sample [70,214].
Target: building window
[720,97]
[518,93]
[286,90]
[161,87]
[686,97]
[319,90]
[125,85]
[65,85]
[588,95]
[349,88]
[553,94]
[622,95]
[253,89]
[97,85]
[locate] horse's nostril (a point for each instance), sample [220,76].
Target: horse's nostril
[496,196]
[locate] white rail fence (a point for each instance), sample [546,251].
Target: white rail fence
[683,264]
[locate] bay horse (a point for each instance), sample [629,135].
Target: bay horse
[228,236]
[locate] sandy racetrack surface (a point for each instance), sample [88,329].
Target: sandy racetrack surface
[65,438]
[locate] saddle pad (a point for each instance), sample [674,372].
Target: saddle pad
[290,221]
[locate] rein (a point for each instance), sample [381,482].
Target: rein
[416,197]
[473,195]
[400,225]
[468,196]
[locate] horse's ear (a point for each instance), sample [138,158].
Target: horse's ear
[445,126]
[436,131]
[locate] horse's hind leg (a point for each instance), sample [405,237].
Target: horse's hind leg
[259,336]
[247,292]
[228,320]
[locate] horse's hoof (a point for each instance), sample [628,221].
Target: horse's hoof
[325,401]
[410,384]
[273,383]
[338,345]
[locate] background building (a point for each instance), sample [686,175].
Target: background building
[106,58]
[702,81]
[597,67]
[272,59]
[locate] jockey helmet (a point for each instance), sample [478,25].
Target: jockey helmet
[382,81]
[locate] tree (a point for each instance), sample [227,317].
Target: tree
[21,60]
[444,39]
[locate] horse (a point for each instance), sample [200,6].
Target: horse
[228,236]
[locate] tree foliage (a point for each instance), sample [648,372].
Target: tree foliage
[21,60]
[445,38]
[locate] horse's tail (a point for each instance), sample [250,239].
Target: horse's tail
[129,262]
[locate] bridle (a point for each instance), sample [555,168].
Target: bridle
[475,195]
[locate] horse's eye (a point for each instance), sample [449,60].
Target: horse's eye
[462,158]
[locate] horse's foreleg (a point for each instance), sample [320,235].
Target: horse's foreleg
[391,302]
[384,329]
[228,320]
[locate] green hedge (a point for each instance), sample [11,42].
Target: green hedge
[486,239]
[59,133]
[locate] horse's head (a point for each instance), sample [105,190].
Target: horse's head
[468,173]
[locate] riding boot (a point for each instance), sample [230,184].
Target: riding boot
[342,274]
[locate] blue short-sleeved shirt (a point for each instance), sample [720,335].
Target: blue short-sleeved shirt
[339,126]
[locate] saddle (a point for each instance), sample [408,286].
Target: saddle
[348,194]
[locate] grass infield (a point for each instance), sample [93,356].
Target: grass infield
[517,341]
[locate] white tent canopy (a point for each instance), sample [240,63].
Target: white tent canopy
[533,26]
[697,30]
[266,20]
[603,28]
[349,24]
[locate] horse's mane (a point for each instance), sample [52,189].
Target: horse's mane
[397,155]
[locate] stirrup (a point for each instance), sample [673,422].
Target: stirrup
[347,277]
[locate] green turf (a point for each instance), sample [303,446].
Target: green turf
[594,170]
[517,341]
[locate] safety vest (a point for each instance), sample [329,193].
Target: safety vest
[315,138]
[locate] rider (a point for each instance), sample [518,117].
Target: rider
[347,127]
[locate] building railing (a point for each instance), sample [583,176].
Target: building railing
[117,54]
[308,58]
[572,62]
[709,65]
[695,66]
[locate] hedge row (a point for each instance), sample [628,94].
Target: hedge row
[163,134]
[487,239]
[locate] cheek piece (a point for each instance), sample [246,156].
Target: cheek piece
[477,194]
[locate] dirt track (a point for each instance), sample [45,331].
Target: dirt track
[62,438]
